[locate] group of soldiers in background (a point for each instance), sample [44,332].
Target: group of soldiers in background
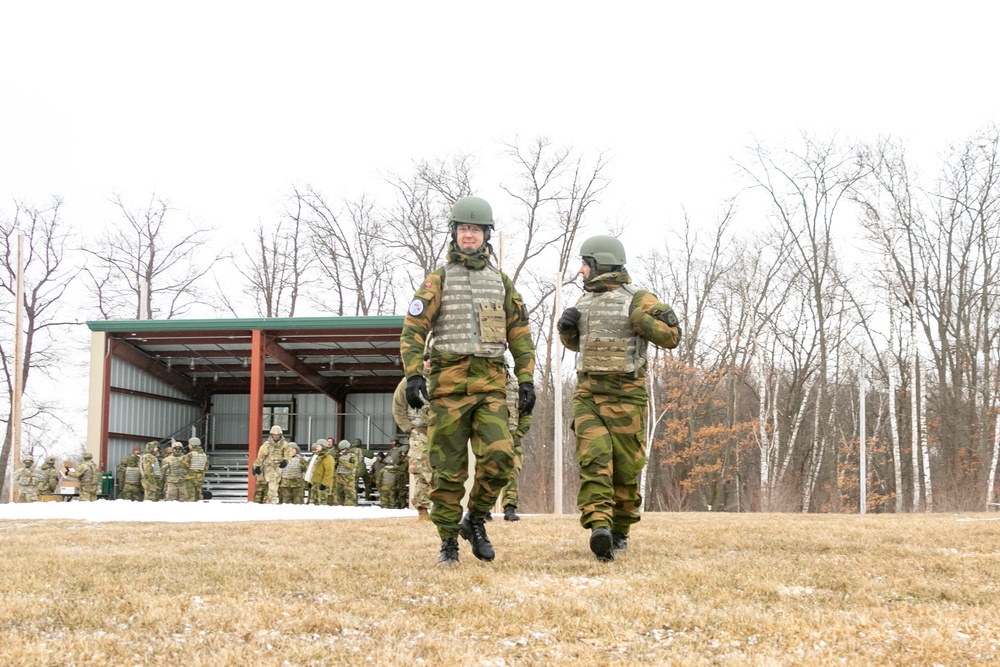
[331,475]
[179,475]
[176,474]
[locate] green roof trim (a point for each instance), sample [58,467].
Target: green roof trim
[258,323]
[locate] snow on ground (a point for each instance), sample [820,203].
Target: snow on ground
[209,511]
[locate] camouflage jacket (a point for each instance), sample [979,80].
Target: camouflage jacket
[455,374]
[272,453]
[645,321]
[406,417]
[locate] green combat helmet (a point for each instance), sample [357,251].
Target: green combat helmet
[603,254]
[471,211]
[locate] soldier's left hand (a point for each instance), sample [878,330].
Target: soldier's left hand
[526,398]
[283,464]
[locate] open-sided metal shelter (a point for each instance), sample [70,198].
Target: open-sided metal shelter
[228,380]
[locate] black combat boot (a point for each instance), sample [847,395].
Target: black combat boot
[449,552]
[509,513]
[619,541]
[601,544]
[474,530]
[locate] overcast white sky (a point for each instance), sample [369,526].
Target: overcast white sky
[220,106]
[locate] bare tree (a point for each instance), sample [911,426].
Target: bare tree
[351,256]
[144,266]
[48,272]
[412,225]
[276,267]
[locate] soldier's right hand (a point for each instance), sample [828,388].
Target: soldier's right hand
[416,391]
[322,487]
[256,470]
[569,320]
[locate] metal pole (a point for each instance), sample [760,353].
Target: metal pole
[863,453]
[557,432]
[15,403]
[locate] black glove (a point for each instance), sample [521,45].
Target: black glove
[283,464]
[322,487]
[569,320]
[526,397]
[256,470]
[416,391]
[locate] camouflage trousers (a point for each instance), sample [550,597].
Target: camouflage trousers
[191,491]
[88,492]
[151,488]
[420,468]
[290,494]
[455,421]
[611,451]
[388,490]
[509,494]
[131,491]
[272,473]
[345,489]
[318,496]
[173,490]
[260,492]
[28,495]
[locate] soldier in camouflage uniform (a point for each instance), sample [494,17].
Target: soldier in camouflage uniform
[89,476]
[474,313]
[174,473]
[345,479]
[131,479]
[271,458]
[293,484]
[611,326]
[414,422]
[120,472]
[27,479]
[48,479]
[362,471]
[519,425]
[260,488]
[319,474]
[152,473]
[197,464]
[393,468]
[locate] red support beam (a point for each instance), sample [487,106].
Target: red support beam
[256,408]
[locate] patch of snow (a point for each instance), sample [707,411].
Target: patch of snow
[206,511]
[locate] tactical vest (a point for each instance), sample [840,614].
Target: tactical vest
[173,469]
[199,461]
[87,476]
[153,464]
[293,470]
[608,345]
[132,475]
[388,477]
[347,464]
[27,480]
[472,320]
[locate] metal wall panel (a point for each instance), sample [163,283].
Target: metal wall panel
[127,376]
[369,417]
[146,416]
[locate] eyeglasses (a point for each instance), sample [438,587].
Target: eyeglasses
[469,229]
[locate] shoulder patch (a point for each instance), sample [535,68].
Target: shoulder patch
[416,307]
[428,284]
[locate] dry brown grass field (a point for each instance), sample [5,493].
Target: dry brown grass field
[693,589]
